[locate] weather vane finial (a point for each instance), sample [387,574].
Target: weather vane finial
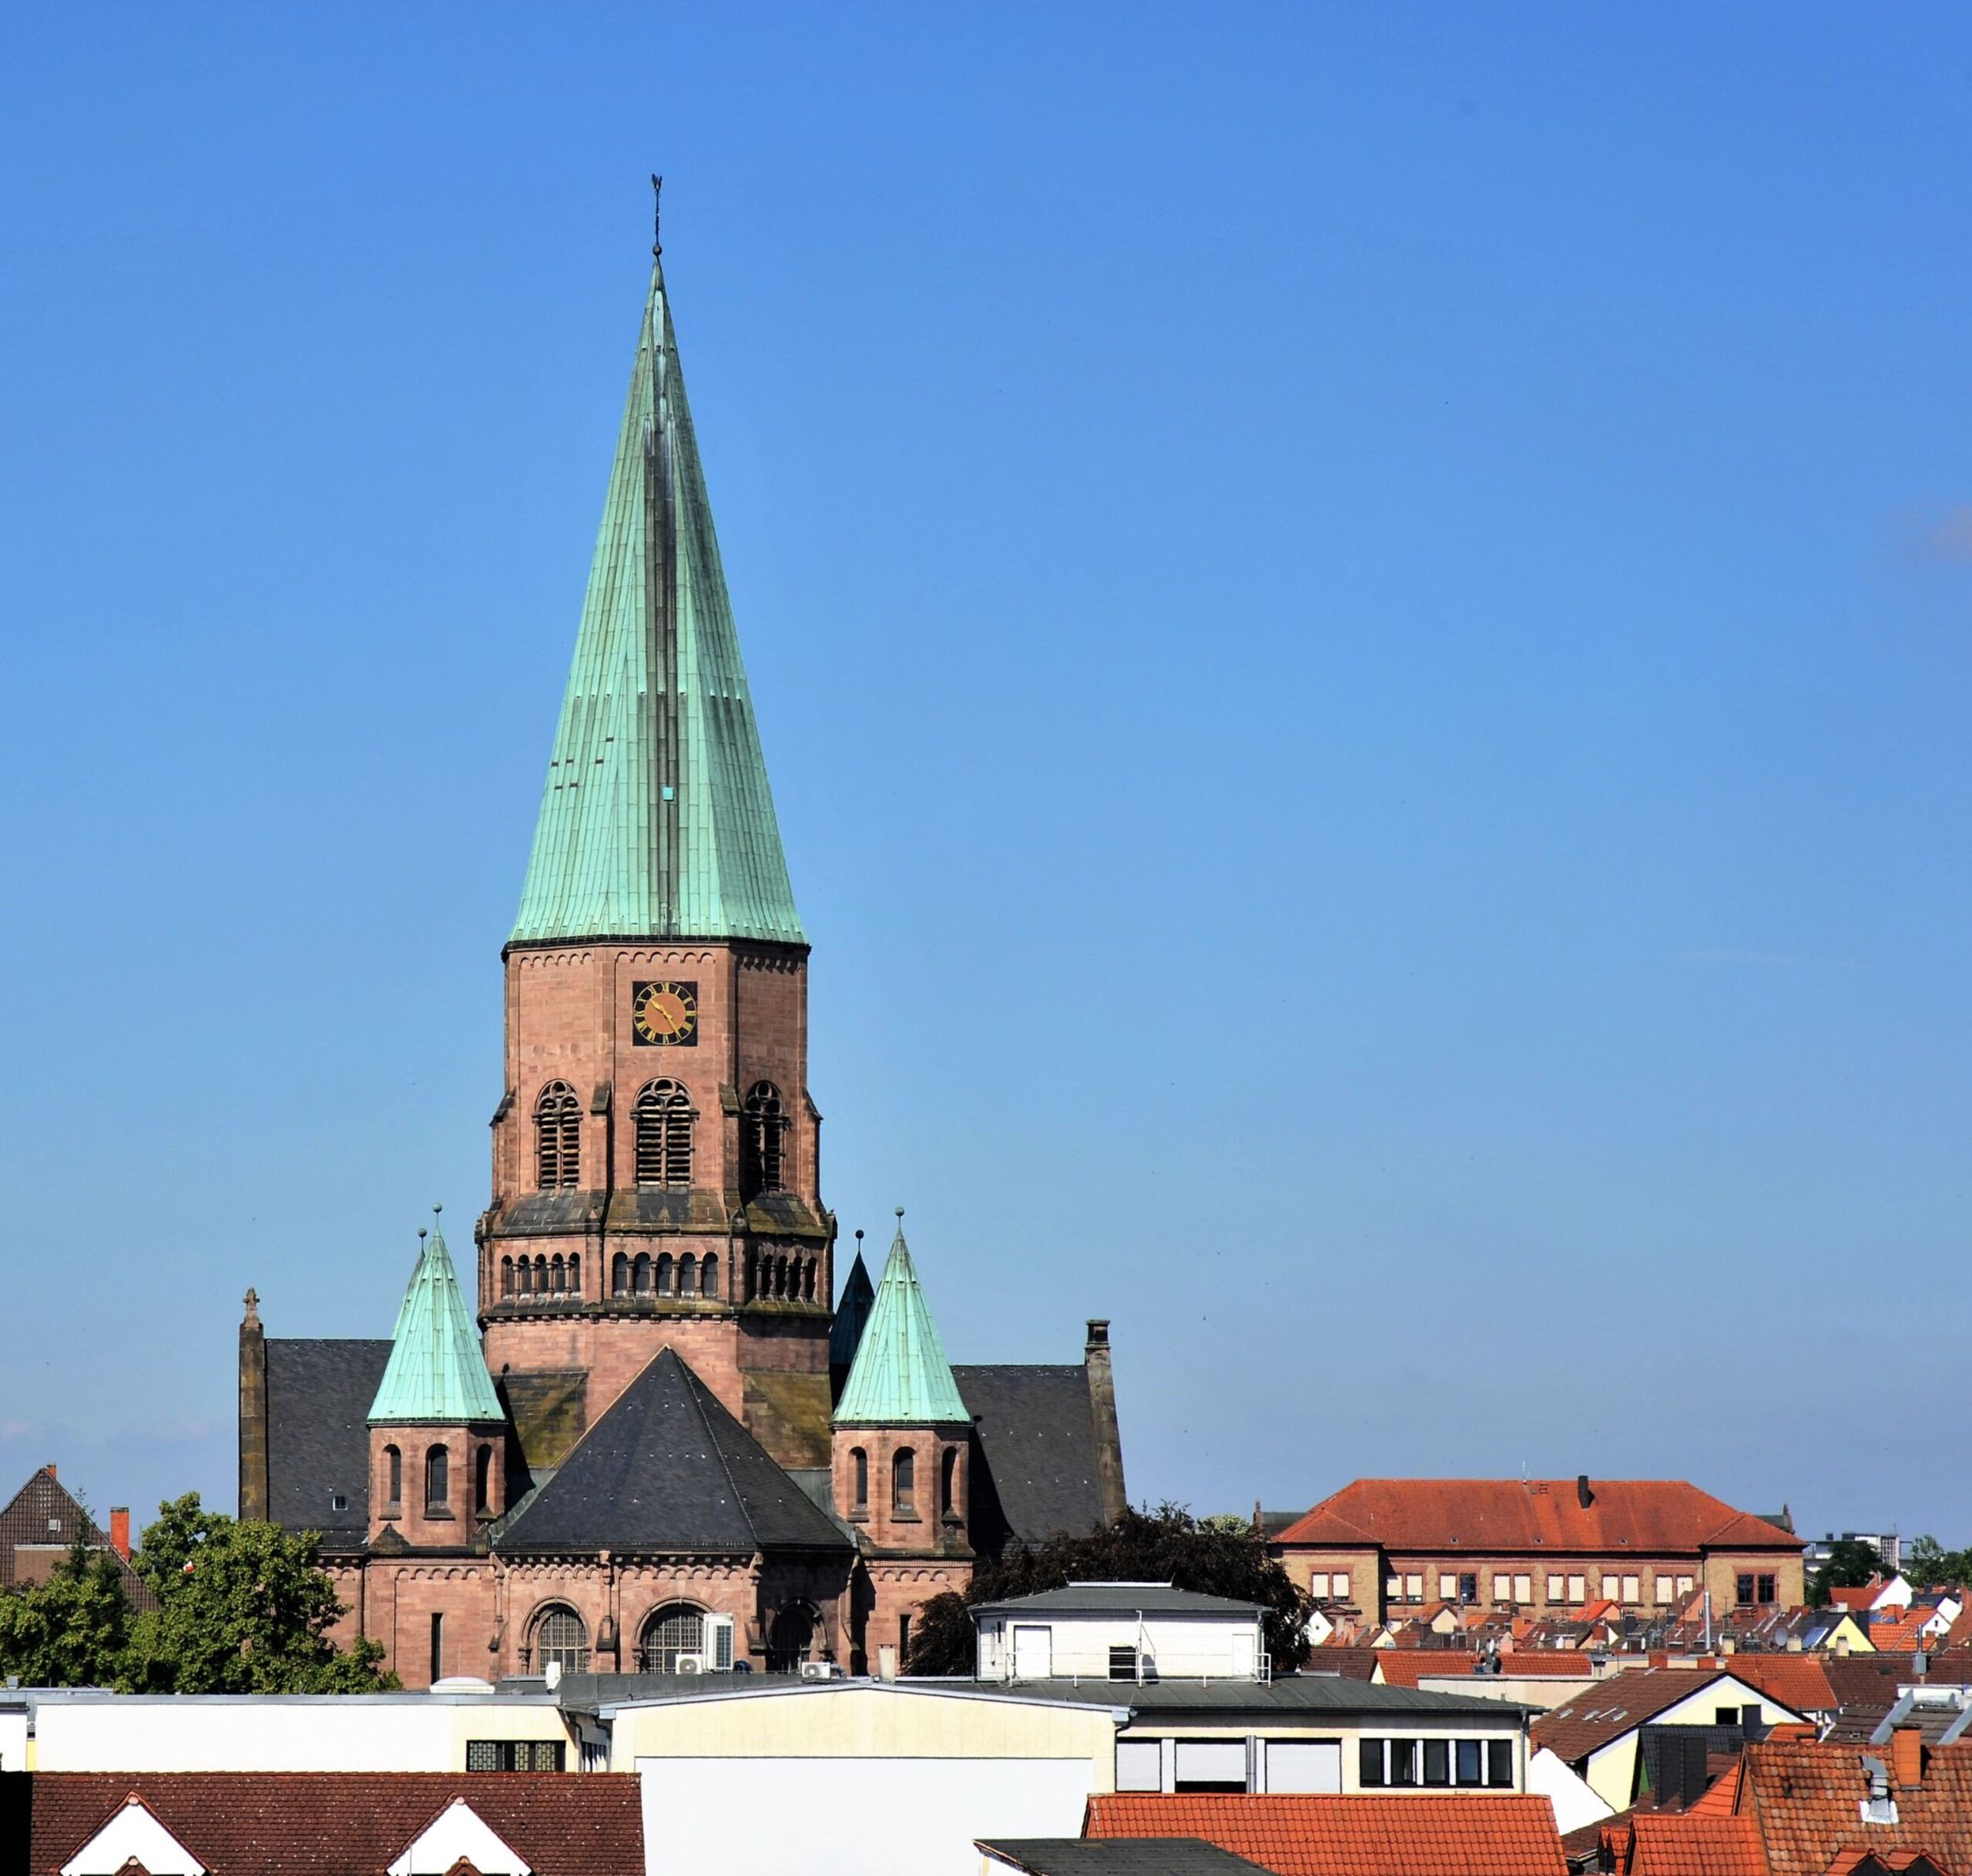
[656,216]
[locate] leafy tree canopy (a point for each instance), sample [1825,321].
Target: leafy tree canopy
[1851,1563]
[1215,1556]
[69,1631]
[1929,1565]
[243,1608]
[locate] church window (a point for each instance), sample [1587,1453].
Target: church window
[393,1469]
[437,1481]
[948,1478]
[664,1274]
[675,1630]
[619,1275]
[557,1274]
[780,1276]
[808,1280]
[688,1275]
[640,1274]
[789,1639]
[763,1139]
[575,1273]
[483,1479]
[437,1647]
[541,1276]
[506,1276]
[903,1483]
[558,1127]
[560,1639]
[859,1476]
[709,1275]
[664,1136]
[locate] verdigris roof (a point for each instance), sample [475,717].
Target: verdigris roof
[900,1377]
[657,820]
[437,1370]
[1123,1598]
[667,1468]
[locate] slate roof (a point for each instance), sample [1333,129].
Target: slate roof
[667,1468]
[318,1436]
[337,1824]
[657,819]
[1503,1834]
[1036,1430]
[45,1512]
[1140,1856]
[852,1310]
[437,1370]
[1113,1597]
[1648,1516]
[900,1377]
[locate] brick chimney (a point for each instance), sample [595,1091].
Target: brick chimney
[1906,1757]
[49,1469]
[1583,1497]
[120,1531]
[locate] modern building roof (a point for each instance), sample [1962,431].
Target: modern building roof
[1476,1834]
[657,820]
[1303,1694]
[900,1377]
[1620,1704]
[437,1370]
[1647,1516]
[1118,1598]
[668,1468]
[1035,1427]
[1138,1856]
[328,1823]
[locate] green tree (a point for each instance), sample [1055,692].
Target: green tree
[1929,1565]
[243,1608]
[1215,1556]
[70,1630]
[1850,1563]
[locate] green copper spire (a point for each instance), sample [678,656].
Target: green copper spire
[436,1370]
[657,820]
[901,1376]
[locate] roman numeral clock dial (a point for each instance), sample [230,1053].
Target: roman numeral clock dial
[664,1015]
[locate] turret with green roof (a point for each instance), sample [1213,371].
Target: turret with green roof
[900,1377]
[436,1371]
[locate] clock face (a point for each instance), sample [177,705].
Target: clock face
[664,1015]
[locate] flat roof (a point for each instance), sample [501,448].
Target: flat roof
[1120,1599]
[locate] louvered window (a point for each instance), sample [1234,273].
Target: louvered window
[664,1136]
[763,1139]
[558,1126]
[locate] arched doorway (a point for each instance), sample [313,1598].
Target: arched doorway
[790,1638]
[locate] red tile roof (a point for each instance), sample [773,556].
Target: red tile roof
[1404,1667]
[1455,1834]
[1510,1516]
[1804,1796]
[1854,1596]
[333,1823]
[1797,1680]
[1669,1844]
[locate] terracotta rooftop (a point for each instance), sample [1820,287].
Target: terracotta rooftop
[1455,1834]
[1667,1844]
[1650,1517]
[1404,1667]
[1797,1680]
[336,1823]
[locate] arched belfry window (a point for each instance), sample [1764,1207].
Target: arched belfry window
[558,1129]
[394,1482]
[438,1480]
[903,1483]
[664,1135]
[560,1637]
[762,1140]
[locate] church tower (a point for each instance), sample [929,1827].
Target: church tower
[655,1176]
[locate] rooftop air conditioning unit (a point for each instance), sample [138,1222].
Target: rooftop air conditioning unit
[821,1670]
[690,1664]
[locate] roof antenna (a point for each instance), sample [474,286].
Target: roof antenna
[656,216]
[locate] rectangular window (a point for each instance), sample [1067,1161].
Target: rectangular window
[1413,1587]
[1438,1761]
[1394,1590]
[1663,1591]
[1318,1585]
[1769,1589]
[1612,1589]
[1469,1760]
[1499,1764]
[1303,1765]
[1502,1589]
[1447,1587]
[1742,1590]
[437,1647]
[1403,1761]
[1122,1663]
[514,1755]
[1468,1585]
[1578,1589]
[1684,1586]
[1211,1765]
[1632,1589]
[1557,1589]
[1139,1765]
[1370,1773]
[1341,1591]
[1523,1589]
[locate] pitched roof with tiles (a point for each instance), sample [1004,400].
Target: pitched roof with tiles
[1504,1834]
[1806,1797]
[329,1823]
[1669,1844]
[1645,1515]
[1612,1707]
[1799,1681]
[45,1515]
[1142,1856]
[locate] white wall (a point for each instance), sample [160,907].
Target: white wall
[861,1817]
[1181,1647]
[1575,1802]
[13,1739]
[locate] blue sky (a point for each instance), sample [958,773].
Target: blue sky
[1361,618]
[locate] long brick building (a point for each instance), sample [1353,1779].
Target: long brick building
[655,1426]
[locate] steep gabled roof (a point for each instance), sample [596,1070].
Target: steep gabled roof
[45,1514]
[900,1377]
[1644,1515]
[657,820]
[437,1370]
[1481,1834]
[852,1312]
[668,1469]
[1593,1718]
